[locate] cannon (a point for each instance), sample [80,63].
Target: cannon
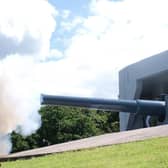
[141,107]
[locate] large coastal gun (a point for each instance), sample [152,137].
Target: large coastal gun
[145,108]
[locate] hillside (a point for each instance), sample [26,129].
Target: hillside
[93,142]
[143,154]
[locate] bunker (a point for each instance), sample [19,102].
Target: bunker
[143,95]
[146,79]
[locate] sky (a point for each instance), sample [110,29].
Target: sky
[75,48]
[97,38]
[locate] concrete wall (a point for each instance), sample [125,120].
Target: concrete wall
[139,76]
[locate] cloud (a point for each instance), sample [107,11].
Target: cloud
[114,35]
[65,13]
[54,55]
[11,46]
[70,25]
[23,23]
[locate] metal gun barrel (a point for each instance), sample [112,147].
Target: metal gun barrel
[144,107]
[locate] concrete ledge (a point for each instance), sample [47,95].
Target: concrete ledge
[92,142]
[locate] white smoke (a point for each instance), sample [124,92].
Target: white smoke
[26,27]
[5,144]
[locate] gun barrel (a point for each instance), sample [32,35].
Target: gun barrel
[145,107]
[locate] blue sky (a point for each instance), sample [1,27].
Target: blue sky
[78,7]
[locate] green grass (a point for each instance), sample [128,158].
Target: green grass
[145,154]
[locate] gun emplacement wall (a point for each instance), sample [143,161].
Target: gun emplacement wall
[147,79]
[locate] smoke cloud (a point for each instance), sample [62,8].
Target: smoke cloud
[25,31]
[5,144]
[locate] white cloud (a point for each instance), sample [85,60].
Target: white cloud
[70,25]
[23,23]
[132,25]
[65,13]
[116,34]
[54,55]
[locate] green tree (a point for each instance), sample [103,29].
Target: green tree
[61,124]
[21,143]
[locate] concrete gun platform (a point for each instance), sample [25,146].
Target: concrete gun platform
[92,142]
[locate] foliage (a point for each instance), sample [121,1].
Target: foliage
[61,124]
[21,143]
[149,153]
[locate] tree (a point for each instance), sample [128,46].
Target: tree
[62,124]
[20,143]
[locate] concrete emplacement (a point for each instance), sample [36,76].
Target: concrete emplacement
[146,79]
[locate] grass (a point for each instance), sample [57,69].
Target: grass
[144,154]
